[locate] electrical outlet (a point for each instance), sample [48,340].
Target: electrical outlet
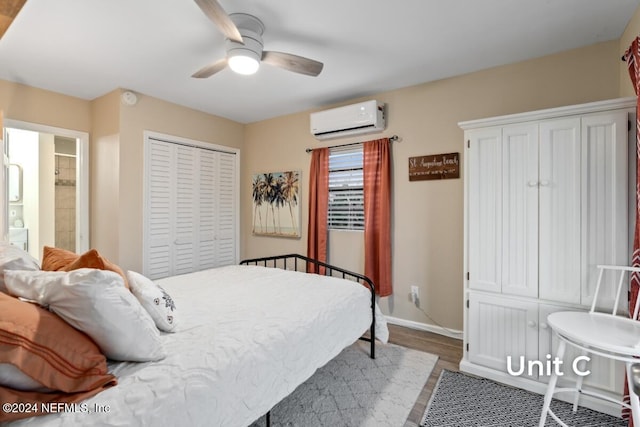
[415,294]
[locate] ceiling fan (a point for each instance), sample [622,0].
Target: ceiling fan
[244,45]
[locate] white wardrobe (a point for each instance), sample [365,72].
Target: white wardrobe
[191,206]
[547,198]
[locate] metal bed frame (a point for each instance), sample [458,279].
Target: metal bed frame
[318,267]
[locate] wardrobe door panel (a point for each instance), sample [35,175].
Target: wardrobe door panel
[520,210]
[485,208]
[559,210]
[604,199]
[504,332]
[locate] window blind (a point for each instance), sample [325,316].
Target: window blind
[346,188]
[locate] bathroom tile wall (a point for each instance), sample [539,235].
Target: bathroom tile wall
[65,202]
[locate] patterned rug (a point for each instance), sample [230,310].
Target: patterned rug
[355,390]
[462,400]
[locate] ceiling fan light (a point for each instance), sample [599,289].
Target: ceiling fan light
[244,61]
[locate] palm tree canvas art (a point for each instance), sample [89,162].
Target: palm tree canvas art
[276,204]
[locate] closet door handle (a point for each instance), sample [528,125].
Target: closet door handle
[544,183]
[543,326]
[531,324]
[532,183]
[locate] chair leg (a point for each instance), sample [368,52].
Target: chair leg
[579,383]
[551,386]
[633,398]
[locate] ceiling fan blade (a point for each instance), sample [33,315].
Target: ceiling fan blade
[210,69]
[216,13]
[8,11]
[295,63]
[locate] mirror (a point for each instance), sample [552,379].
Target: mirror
[15,183]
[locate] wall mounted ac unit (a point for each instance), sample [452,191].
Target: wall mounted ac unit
[356,119]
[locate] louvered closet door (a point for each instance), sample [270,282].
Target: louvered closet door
[191,213]
[208,209]
[160,211]
[186,209]
[217,207]
[226,224]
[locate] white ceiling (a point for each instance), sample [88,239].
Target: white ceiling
[86,48]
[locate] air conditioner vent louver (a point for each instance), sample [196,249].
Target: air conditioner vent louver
[367,127]
[356,119]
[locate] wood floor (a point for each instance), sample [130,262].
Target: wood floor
[448,350]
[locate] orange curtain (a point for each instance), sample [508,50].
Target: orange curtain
[318,206]
[632,56]
[377,214]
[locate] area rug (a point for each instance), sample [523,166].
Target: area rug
[355,390]
[462,400]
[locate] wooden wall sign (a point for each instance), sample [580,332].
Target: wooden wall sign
[435,166]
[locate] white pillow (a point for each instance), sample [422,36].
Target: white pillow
[154,299]
[14,258]
[14,378]
[97,303]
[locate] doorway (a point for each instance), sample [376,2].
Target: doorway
[47,187]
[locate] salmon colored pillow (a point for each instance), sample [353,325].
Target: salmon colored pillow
[50,352]
[92,259]
[56,259]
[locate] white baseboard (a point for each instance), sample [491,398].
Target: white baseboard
[451,333]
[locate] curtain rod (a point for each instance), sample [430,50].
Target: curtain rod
[391,139]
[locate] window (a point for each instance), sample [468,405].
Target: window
[346,189]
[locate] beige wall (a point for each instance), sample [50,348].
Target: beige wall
[104,164]
[33,105]
[428,215]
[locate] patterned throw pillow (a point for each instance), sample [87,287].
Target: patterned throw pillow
[155,300]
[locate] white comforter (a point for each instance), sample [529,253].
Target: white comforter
[247,337]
